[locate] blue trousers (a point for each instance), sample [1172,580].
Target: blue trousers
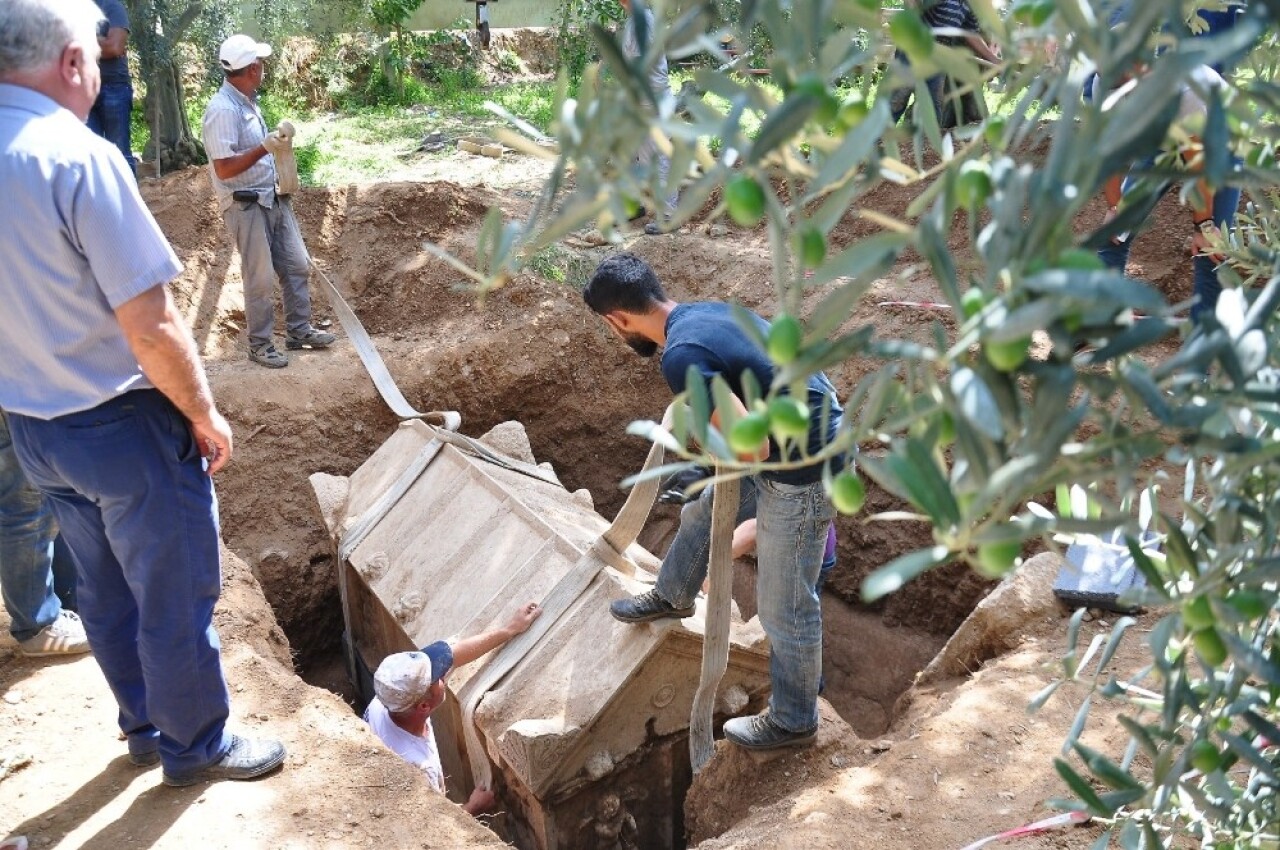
[128,486]
[110,117]
[37,576]
[791,533]
[1204,271]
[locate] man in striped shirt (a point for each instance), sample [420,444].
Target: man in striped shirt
[243,170]
[950,109]
[109,408]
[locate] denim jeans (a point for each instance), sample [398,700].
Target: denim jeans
[1204,274]
[110,116]
[791,533]
[37,576]
[129,488]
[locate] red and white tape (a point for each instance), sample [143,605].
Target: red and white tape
[1067,819]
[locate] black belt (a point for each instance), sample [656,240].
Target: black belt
[252,196]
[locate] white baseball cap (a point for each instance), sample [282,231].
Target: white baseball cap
[240,51]
[404,678]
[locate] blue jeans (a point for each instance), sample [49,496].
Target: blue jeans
[1204,271]
[128,486]
[37,576]
[109,118]
[791,532]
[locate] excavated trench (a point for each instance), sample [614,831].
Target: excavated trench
[560,393]
[530,353]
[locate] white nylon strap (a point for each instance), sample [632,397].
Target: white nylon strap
[715,638]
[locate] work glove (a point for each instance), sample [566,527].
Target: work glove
[674,488]
[286,163]
[275,143]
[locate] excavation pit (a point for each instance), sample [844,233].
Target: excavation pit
[530,353]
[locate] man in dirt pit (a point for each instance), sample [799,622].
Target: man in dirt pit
[408,686]
[791,509]
[109,408]
[242,167]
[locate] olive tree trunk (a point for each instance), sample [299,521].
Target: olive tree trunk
[157,29]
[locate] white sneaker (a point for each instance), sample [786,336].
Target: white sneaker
[64,636]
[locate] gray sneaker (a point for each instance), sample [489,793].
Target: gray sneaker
[759,732]
[311,338]
[645,607]
[64,636]
[248,758]
[268,355]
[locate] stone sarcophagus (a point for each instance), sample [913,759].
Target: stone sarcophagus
[582,729]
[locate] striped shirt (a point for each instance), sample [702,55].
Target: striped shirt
[951,14]
[232,125]
[77,242]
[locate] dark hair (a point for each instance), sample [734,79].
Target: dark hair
[238,72]
[623,282]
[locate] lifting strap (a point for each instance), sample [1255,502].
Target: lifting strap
[715,636]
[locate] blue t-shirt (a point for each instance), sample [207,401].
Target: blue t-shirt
[116,69]
[704,335]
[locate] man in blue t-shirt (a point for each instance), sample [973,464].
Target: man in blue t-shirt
[111,112]
[791,508]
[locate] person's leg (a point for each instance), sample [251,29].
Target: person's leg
[64,574]
[116,101]
[791,534]
[646,156]
[944,101]
[139,514]
[828,558]
[1115,255]
[685,566]
[900,98]
[1204,270]
[248,227]
[27,532]
[290,260]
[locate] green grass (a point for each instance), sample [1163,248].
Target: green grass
[370,142]
[363,143]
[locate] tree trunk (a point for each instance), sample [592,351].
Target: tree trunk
[165,107]
[157,29]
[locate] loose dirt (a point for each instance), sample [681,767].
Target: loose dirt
[935,768]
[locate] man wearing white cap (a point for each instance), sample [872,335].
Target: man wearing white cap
[409,686]
[242,166]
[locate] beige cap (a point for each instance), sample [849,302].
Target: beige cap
[403,679]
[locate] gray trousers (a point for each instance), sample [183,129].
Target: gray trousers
[270,245]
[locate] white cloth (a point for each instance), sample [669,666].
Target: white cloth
[422,752]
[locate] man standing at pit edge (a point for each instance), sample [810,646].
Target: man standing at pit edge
[792,511]
[109,408]
[242,167]
[112,112]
